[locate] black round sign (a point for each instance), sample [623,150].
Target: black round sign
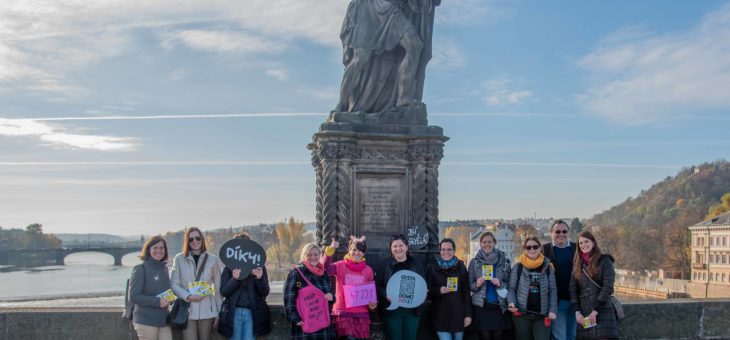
[242,254]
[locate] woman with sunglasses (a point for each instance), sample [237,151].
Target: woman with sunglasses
[401,323]
[488,278]
[196,279]
[245,300]
[448,287]
[533,294]
[149,280]
[591,287]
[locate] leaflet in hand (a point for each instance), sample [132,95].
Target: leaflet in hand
[167,295]
[587,323]
[452,283]
[487,271]
[200,288]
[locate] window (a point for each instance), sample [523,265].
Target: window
[724,241]
[712,241]
[723,277]
[724,258]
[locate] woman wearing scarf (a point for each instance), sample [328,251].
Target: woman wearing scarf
[353,322]
[488,278]
[448,283]
[533,294]
[591,287]
[315,273]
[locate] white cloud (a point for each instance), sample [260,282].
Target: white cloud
[224,41]
[447,54]
[640,77]
[500,92]
[280,74]
[59,137]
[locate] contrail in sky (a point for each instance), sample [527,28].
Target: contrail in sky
[198,116]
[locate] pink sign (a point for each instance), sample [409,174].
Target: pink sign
[360,294]
[313,309]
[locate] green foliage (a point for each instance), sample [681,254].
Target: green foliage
[722,207]
[30,238]
[649,231]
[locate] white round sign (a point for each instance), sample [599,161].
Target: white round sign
[406,289]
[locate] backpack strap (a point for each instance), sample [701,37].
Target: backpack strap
[303,277]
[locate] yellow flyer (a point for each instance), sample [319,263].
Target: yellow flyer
[488,271]
[167,295]
[587,323]
[200,288]
[452,283]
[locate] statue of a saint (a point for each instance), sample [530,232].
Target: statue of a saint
[386,46]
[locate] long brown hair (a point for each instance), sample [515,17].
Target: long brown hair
[593,257]
[186,241]
[145,252]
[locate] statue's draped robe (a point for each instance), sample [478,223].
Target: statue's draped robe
[374,28]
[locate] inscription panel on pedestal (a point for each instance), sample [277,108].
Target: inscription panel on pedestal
[381,204]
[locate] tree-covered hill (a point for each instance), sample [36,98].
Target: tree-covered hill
[650,231]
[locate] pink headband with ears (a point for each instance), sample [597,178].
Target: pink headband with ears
[356,239]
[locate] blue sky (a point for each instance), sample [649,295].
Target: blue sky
[128,117]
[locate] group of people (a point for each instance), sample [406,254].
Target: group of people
[559,290]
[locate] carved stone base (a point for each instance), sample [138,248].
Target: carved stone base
[376,180]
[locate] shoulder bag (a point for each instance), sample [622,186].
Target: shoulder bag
[181,308]
[618,308]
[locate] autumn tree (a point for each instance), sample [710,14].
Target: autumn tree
[722,207]
[290,236]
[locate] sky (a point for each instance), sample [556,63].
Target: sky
[131,117]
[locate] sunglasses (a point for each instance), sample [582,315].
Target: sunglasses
[561,231]
[196,238]
[532,247]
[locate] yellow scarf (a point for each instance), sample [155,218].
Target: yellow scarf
[530,263]
[347,256]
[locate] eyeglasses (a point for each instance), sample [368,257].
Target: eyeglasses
[196,238]
[561,231]
[532,247]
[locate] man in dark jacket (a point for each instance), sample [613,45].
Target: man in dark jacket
[560,252]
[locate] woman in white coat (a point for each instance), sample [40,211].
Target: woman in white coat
[192,269]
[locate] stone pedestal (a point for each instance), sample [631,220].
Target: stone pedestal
[376,180]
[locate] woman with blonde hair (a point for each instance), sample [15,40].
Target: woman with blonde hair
[309,270]
[489,273]
[196,279]
[148,282]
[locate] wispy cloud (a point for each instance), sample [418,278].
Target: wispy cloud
[223,41]
[278,73]
[570,165]
[191,116]
[640,77]
[158,163]
[447,54]
[502,92]
[56,136]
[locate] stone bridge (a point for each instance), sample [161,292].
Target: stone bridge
[58,256]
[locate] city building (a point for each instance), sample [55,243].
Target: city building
[505,235]
[710,251]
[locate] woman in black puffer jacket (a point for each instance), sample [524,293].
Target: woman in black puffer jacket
[591,287]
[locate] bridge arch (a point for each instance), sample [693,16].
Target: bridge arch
[116,253]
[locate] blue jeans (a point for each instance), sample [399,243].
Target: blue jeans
[450,336]
[242,325]
[563,327]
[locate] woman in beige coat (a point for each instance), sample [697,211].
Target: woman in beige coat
[204,307]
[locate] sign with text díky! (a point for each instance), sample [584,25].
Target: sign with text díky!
[242,254]
[359,294]
[417,236]
[406,289]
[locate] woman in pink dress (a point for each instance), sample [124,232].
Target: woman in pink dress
[353,322]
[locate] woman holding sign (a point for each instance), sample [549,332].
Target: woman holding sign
[149,291]
[355,289]
[400,322]
[196,279]
[591,287]
[533,294]
[448,283]
[245,313]
[308,297]
[488,279]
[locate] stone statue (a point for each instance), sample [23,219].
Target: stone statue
[386,46]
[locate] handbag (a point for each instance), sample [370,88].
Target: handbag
[312,307]
[178,317]
[618,308]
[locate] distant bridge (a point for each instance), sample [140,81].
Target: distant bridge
[58,256]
